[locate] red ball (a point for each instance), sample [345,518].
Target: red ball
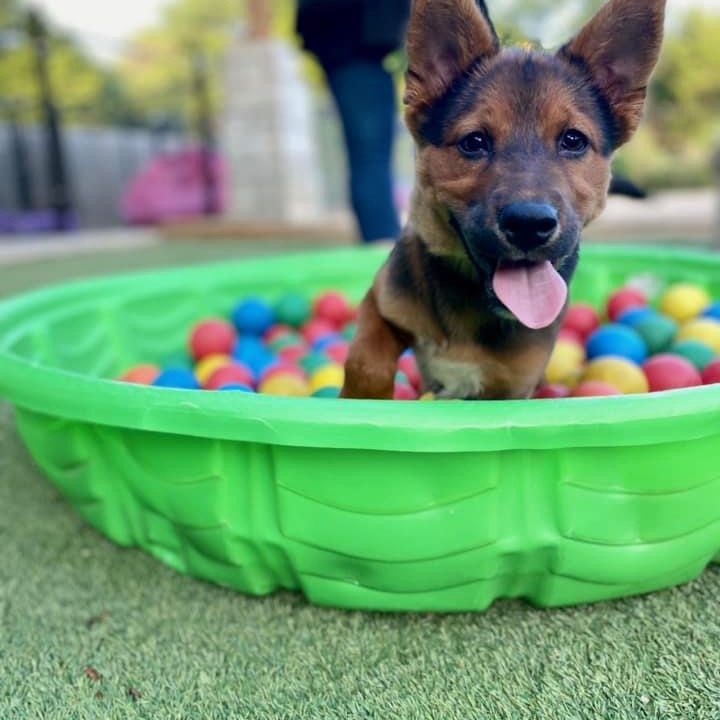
[408,365]
[711,374]
[293,353]
[624,300]
[276,332]
[572,336]
[583,320]
[282,368]
[234,374]
[212,337]
[338,352]
[317,328]
[404,392]
[334,308]
[552,392]
[595,388]
[671,372]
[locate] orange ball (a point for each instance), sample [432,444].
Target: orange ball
[141,375]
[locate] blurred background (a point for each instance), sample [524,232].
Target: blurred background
[146,119]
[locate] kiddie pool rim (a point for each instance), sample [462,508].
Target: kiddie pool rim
[372,425]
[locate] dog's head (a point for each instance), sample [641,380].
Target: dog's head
[514,146]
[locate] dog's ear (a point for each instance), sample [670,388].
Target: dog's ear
[445,38]
[620,47]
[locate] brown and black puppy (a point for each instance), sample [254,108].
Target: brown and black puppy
[513,160]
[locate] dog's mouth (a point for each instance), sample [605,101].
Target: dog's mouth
[535,293]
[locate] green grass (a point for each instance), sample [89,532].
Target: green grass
[70,600]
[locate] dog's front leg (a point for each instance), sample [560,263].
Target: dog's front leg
[372,363]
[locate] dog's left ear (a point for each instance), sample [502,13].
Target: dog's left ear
[620,47]
[445,39]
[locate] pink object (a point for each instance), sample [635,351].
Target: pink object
[404,392]
[317,328]
[535,295]
[711,374]
[235,374]
[276,332]
[338,352]
[408,365]
[212,337]
[282,368]
[293,354]
[552,392]
[671,372]
[173,187]
[595,388]
[624,300]
[334,308]
[572,336]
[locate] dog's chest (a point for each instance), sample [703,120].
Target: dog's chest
[449,376]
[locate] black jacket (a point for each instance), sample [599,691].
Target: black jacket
[340,31]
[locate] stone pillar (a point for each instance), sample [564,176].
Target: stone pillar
[268,135]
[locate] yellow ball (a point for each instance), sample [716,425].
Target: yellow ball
[704,331]
[683,302]
[618,372]
[285,385]
[328,376]
[566,362]
[208,365]
[427,397]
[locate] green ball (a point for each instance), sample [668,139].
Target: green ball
[658,333]
[327,392]
[286,341]
[699,354]
[314,361]
[350,331]
[293,309]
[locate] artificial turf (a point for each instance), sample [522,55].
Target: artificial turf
[92,631]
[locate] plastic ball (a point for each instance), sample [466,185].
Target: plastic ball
[595,388]
[236,387]
[684,301]
[317,328]
[633,317]
[671,372]
[338,352]
[276,332]
[286,385]
[404,392]
[618,372]
[253,316]
[565,366]
[408,364]
[141,375]
[260,364]
[327,392]
[314,361]
[699,354]
[583,319]
[552,392]
[572,336]
[330,376]
[624,300]
[293,353]
[178,360]
[230,375]
[711,374]
[293,309]
[327,341]
[208,365]
[428,397]
[212,337]
[178,378]
[247,348]
[657,332]
[618,341]
[705,330]
[350,331]
[282,368]
[713,311]
[333,307]
[291,339]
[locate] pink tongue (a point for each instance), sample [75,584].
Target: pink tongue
[535,295]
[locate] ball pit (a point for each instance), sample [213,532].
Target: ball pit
[373,505]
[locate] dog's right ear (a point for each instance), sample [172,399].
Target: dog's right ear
[445,38]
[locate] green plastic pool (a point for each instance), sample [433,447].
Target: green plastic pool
[384,506]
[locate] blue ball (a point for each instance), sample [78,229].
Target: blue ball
[248,348]
[713,312]
[253,317]
[262,363]
[178,378]
[634,317]
[237,387]
[327,341]
[617,340]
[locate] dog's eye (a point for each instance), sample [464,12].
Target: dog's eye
[475,145]
[573,143]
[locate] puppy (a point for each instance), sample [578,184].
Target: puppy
[513,160]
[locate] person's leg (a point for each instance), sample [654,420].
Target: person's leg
[365,96]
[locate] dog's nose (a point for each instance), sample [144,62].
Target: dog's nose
[528,225]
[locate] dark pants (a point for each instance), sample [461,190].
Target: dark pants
[365,96]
